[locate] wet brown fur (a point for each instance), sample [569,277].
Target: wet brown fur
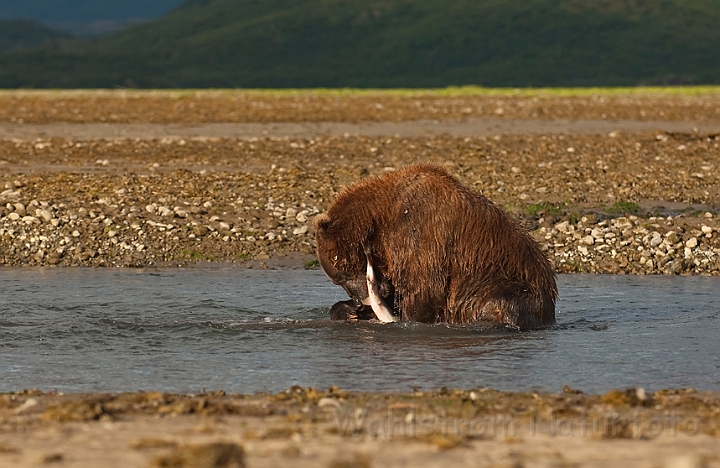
[443,252]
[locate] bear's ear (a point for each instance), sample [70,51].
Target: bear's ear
[321,222]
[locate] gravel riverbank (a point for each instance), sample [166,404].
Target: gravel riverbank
[643,202]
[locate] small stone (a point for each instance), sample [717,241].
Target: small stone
[691,243]
[112,233]
[676,267]
[655,241]
[150,208]
[707,230]
[562,227]
[708,214]
[301,218]
[53,258]
[76,233]
[583,250]
[13,216]
[30,220]
[597,233]
[588,240]
[44,214]
[165,211]
[207,205]
[215,454]
[200,230]
[672,237]
[290,213]
[301,230]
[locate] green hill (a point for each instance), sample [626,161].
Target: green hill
[393,43]
[24,35]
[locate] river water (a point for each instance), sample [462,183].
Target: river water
[184,330]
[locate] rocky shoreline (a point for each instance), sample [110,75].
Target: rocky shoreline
[605,202]
[637,204]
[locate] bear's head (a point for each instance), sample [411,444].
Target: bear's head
[342,258]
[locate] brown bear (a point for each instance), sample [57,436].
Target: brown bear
[436,251]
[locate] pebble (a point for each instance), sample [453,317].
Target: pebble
[627,245]
[45,215]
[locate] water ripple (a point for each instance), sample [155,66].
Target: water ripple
[246,331]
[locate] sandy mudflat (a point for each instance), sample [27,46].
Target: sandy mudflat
[306,427]
[474,127]
[238,106]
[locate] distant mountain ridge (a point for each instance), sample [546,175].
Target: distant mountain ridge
[23,35]
[82,17]
[392,43]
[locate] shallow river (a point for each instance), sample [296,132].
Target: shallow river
[244,331]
